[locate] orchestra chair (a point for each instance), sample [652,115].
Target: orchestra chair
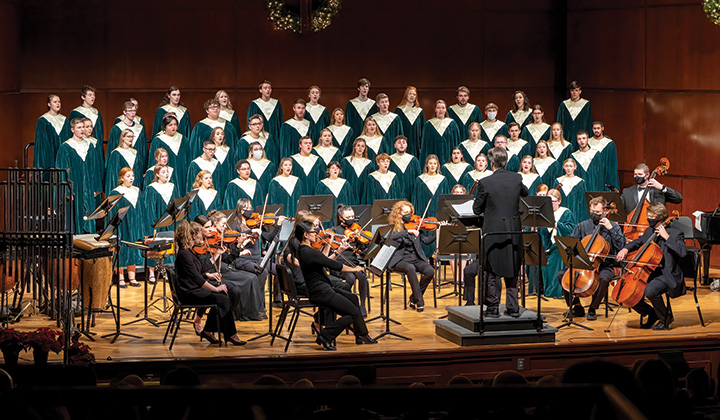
[291,300]
[183,310]
[690,265]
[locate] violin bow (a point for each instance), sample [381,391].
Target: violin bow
[322,228]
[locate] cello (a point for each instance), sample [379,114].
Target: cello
[630,288]
[637,219]
[586,281]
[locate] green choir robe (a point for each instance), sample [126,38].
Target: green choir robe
[407,167]
[356,111]
[328,154]
[82,112]
[469,179]
[342,194]
[121,158]
[575,116]
[488,130]
[521,117]
[181,113]
[74,156]
[237,189]
[531,181]
[413,121]
[232,117]
[560,152]
[310,170]
[200,164]
[226,165]
[139,141]
[513,164]
[205,201]
[589,168]
[47,140]
[519,148]
[390,126]
[271,113]
[356,171]
[464,116]
[285,190]
[380,186]
[263,172]
[470,149]
[565,221]
[136,120]
[96,166]
[202,130]
[427,189]
[290,134]
[533,133]
[375,146]
[319,118]
[438,138]
[343,137]
[269,145]
[155,199]
[608,150]
[573,195]
[548,169]
[455,171]
[149,177]
[178,154]
[132,228]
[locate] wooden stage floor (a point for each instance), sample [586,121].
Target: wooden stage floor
[428,357]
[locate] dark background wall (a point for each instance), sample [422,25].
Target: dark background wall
[647,66]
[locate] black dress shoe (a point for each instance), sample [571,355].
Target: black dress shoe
[652,319]
[235,342]
[515,314]
[411,305]
[660,326]
[591,315]
[326,345]
[365,339]
[492,313]
[209,337]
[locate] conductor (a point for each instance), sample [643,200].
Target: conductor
[498,198]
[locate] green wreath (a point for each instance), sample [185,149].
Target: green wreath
[283,18]
[712,8]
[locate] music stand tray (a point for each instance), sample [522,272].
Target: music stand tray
[573,255]
[458,240]
[362,213]
[104,208]
[620,216]
[176,211]
[322,206]
[381,210]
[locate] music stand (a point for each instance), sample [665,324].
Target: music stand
[381,210]
[450,242]
[362,214]
[111,228]
[276,209]
[104,208]
[573,255]
[620,216]
[535,212]
[322,206]
[445,209]
[263,263]
[534,255]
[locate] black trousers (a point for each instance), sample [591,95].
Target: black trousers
[605,274]
[654,291]
[493,286]
[363,287]
[411,267]
[346,305]
[225,305]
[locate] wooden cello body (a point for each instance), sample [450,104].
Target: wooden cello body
[637,219]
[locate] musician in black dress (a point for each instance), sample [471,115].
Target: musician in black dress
[194,287]
[313,264]
[409,257]
[657,192]
[346,217]
[498,199]
[612,234]
[667,277]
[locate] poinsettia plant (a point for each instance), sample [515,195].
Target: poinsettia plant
[45,339]
[79,353]
[11,339]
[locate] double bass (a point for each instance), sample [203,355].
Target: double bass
[630,288]
[637,219]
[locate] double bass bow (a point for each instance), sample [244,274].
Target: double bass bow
[637,219]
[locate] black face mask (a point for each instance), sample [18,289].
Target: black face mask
[652,223]
[349,222]
[639,179]
[406,218]
[595,217]
[247,213]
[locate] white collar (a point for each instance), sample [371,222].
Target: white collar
[326,153]
[207,196]
[287,182]
[315,111]
[57,121]
[339,132]
[301,127]
[306,162]
[165,190]
[441,125]
[385,180]
[258,166]
[247,186]
[432,182]
[130,194]
[173,142]
[334,185]
[463,112]
[411,112]
[206,165]
[402,161]
[362,107]
[267,108]
[384,121]
[80,147]
[457,169]
[358,164]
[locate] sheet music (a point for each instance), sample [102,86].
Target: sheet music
[698,217]
[464,209]
[383,257]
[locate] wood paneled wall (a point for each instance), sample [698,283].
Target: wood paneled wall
[649,68]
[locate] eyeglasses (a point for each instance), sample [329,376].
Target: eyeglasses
[209,149]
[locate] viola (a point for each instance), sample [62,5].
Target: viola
[268,219]
[205,248]
[630,288]
[637,219]
[226,238]
[586,282]
[355,233]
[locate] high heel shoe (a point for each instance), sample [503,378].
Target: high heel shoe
[365,339]
[324,343]
[234,342]
[195,328]
[209,337]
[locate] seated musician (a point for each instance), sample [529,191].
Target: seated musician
[409,257]
[657,193]
[193,286]
[320,291]
[612,234]
[667,277]
[346,218]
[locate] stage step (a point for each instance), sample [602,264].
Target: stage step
[462,326]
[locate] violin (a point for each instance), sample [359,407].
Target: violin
[255,220]
[355,233]
[637,219]
[586,282]
[205,248]
[425,223]
[225,238]
[630,288]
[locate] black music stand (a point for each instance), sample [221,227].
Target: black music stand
[620,216]
[363,214]
[111,228]
[447,211]
[321,206]
[374,247]
[276,209]
[270,252]
[450,242]
[534,255]
[535,212]
[381,210]
[104,208]
[573,255]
